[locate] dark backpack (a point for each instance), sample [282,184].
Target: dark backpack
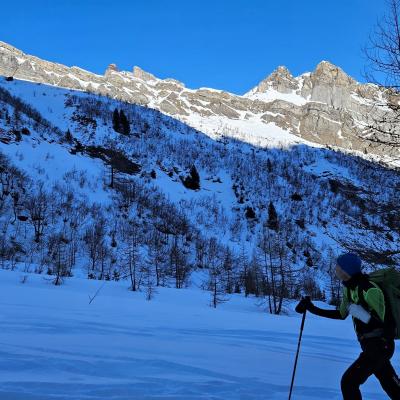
[388,279]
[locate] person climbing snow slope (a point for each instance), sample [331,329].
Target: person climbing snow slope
[365,301]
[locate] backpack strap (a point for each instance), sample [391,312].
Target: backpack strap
[363,303]
[361,299]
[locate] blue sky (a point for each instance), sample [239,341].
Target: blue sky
[229,45]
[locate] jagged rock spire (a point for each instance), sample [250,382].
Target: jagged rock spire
[143,75]
[110,69]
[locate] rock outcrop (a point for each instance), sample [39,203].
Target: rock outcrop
[143,75]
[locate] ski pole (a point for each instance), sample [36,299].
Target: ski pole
[101,287]
[297,353]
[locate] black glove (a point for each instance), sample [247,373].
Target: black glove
[304,305]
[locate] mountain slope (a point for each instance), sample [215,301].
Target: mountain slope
[325,201]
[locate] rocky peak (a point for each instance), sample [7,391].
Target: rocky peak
[143,75]
[281,73]
[111,68]
[331,74]
[329,84]
[281,80]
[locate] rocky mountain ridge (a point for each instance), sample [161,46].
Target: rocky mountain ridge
[326,106]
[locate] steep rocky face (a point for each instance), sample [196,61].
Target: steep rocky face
[326,106]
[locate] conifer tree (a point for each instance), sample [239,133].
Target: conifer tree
[124,124]
[68,136]
[116,121]
[269,165]
[272,222]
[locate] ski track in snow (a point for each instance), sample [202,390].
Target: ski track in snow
[54,345]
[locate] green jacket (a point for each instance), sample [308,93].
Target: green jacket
[361,291]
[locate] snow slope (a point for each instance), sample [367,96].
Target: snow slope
[54,345]
[52,163]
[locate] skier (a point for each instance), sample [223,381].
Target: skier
[365,302]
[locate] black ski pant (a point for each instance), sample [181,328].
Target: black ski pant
[374,360]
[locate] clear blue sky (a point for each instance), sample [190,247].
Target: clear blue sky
[228,45]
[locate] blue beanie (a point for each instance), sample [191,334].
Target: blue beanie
[349,263]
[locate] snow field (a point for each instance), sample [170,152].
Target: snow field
[55,345]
